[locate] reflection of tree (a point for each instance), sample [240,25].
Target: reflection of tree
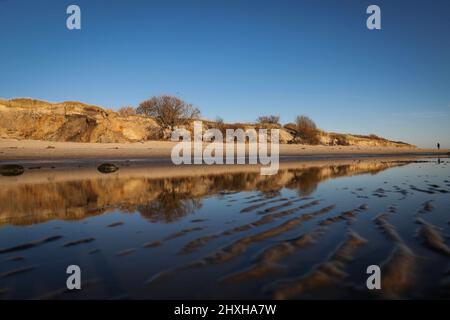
[305,181]
[270,186]
[234,182]
[169,206]
[340,171]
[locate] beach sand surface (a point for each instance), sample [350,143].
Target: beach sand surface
[44,150]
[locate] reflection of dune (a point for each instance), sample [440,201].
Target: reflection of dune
[306,181]
[63,194]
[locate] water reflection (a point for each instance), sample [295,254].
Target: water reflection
[158,231]
[158,200]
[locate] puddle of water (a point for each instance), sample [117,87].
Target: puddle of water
[308,232]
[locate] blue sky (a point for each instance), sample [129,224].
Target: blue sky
[242,59]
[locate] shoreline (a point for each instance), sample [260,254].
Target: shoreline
[159,151]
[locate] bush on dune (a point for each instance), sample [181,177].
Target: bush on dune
[168,111]
[126,111]
[274,120]
[307,130]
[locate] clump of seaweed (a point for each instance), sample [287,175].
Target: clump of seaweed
[10,170]
[107,168]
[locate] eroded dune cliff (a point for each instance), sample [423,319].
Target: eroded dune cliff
[79,122]
[69,121]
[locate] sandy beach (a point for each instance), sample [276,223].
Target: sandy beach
[47,150]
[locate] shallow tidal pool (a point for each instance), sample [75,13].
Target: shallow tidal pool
[309,232]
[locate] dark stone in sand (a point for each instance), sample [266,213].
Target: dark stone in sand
[107,168]
[11,170]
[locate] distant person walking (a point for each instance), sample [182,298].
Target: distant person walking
[438,146]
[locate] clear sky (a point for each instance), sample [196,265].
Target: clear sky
[242,59]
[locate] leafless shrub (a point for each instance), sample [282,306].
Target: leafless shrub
[268,120]
[126,111]
[307,130]
[168,111]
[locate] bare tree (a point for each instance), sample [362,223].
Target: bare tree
[168,111]
[268,119]
[126,111]
[304,122]
[307,129]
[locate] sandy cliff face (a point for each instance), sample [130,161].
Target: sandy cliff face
[69,121]
[79,122]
